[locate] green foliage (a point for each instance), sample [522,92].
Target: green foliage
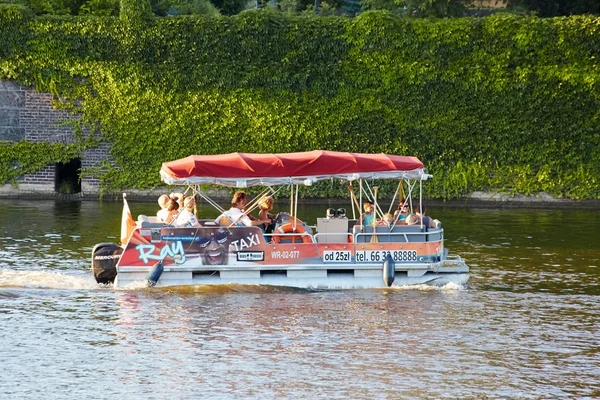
[498,103]
[23,157]
[135,11]
[433,8]
[553,8]
[193,7]
[100,8]
[420,8]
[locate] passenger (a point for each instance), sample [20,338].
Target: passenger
[367,219]
[415,219]
[170,211]
[162,201]
[427,221]
[236,213]
[178,197]
[186,217]
[412,219]
[402,212]
[265,206]
[330,213]
[388,220]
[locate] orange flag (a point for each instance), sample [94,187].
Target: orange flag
[127,222]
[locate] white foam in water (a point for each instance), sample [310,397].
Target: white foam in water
[134,285]
[44,280]
[448,287]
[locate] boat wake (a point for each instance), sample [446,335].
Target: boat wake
[55,280]
[44,280]
[217,289]
[448,287]
[251,288]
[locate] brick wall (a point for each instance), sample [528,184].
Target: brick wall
[93,158]
[28,115]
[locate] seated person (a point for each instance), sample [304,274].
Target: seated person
[388,220]
[367,219]
[416,218]
[169,212]
[402,212]
[427,221]
[186,217]
[412,219]
[178,197]
[265,206]
[236,214]
[162,201]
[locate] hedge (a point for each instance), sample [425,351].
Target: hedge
[499,103]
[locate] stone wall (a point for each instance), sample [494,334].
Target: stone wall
[28,115]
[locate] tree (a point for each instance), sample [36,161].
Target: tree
[420,8]
[230,7]
[351,7]
[135,10]
[553,8]
[100,8]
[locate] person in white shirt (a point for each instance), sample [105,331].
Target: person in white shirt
[186,217]
[236,215]
[168,213]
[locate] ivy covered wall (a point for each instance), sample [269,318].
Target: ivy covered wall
[503,102]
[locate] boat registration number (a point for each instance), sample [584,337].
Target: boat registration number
[380,255]
[336,255]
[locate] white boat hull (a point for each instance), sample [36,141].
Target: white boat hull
[242,255]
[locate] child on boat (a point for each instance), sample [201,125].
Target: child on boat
[367,217]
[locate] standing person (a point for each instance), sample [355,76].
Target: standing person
[236,213]
[368,216]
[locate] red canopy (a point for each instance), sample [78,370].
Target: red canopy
[245,169]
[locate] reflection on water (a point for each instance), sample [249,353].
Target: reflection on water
[526,326]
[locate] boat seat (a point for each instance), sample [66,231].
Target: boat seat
[145,221]
[435,234]
[332,230]
[351,225]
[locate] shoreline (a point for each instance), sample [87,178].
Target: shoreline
[475,200]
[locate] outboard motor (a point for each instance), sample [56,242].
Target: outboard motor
[105,257]
[154,274]
[389,270]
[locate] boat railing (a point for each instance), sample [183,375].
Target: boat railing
[402,233]
[284,238]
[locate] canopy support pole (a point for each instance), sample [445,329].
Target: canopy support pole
[421,202]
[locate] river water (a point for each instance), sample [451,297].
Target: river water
[525,326]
